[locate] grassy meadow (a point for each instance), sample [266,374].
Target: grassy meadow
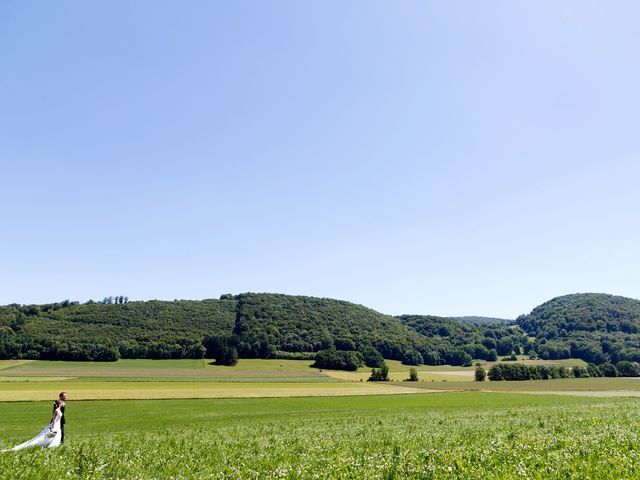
[469,435]
[270,419]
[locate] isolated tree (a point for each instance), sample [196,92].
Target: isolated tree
[413,375]
[480,374]
[379,374]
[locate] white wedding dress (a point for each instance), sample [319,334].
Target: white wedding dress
[47,438]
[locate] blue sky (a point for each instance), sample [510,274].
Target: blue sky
[452,158]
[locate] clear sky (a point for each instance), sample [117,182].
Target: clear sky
[451,158]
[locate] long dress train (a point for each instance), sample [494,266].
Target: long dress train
[44,439]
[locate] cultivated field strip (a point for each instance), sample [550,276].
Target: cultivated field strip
[118,390]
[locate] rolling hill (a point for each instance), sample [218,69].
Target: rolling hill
[259,325]
[596,327]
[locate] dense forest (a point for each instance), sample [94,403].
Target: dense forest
[246,326]
[597,328]
[110,330]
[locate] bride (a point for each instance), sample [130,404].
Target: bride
[49,437]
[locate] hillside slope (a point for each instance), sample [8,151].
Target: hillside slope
[596,327]
[96,331]
[165,329]
[259,324]
[308,324]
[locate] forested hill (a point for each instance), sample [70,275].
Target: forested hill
[256,325]
[308,324]
[594,326]
[102,331]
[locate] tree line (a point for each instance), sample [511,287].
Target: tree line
[519,371]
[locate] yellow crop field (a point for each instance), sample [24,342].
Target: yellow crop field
[23,391]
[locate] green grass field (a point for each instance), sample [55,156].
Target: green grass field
[281,419]
[470,435]
[612,386]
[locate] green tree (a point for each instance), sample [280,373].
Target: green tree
[227,356]
[594,370]
[608,370]
[379,374]
[580,372]
[431,358]
[345,343]
[628,369]
[338,360]
[372,357]
[495,372]
[412,357]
